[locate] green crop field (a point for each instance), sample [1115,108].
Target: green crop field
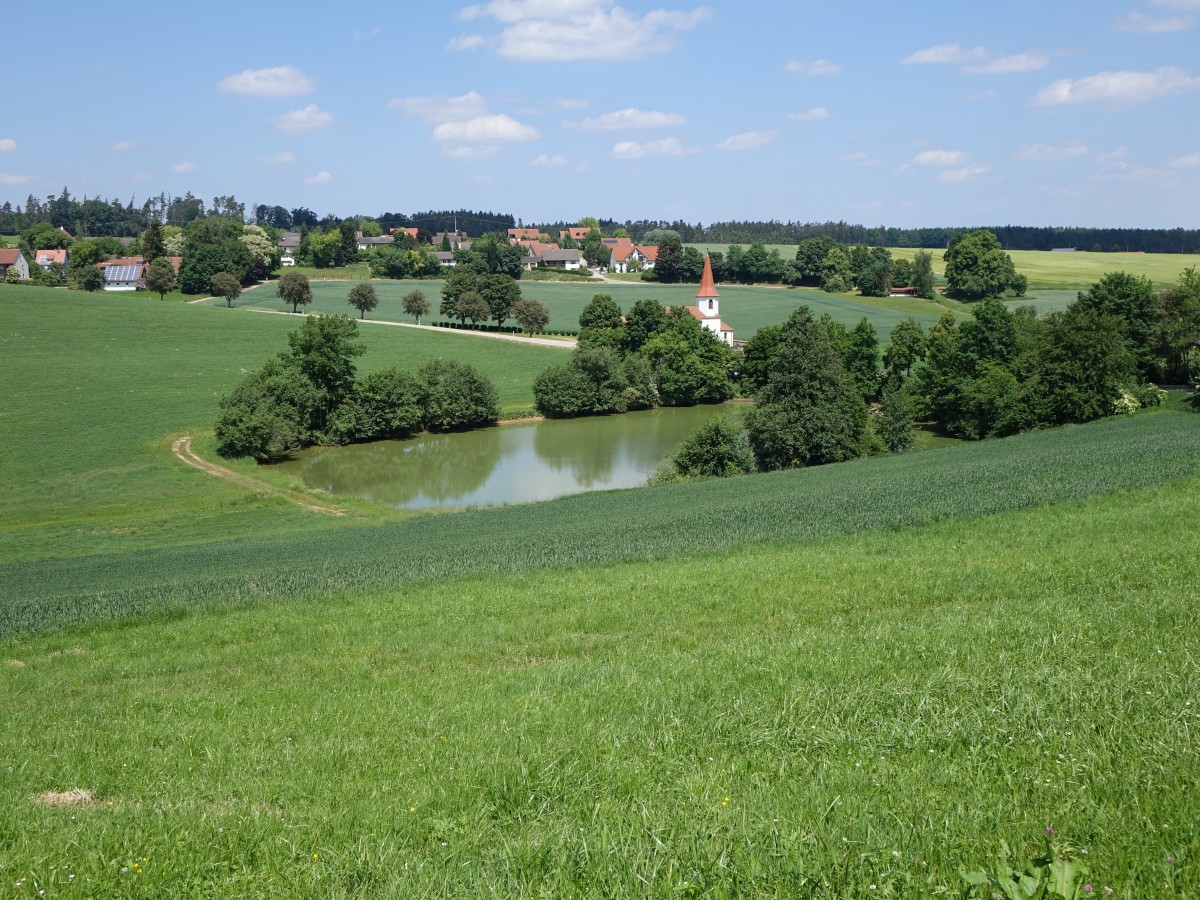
[746,308]
[856,680]
[95,384]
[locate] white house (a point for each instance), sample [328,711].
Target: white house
[13,258]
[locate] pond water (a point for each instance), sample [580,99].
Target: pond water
[508,464]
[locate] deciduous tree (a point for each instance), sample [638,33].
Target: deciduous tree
[363,298]
[223,285]
[293,288]
[415,305]
[977,266]
[531,315]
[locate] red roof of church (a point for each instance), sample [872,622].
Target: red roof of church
[707,287]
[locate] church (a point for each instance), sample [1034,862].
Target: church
[708,306]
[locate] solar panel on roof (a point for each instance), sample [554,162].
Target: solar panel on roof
[122,273]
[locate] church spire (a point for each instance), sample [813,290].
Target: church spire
[707,287]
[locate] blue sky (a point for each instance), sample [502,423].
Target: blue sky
[1050,113]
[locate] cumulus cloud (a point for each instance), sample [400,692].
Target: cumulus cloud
[632,118]
[570,30]
[466,42]
[1005,65]
[481,136]
[11,179]
[1144,24]
[1191,161]
[940,158]
[1118,87]
[280,81]
[963,173]
[7,144]
[812,67]
[951,54]
[279,159]
[748,140]
[545,161]
[811,115]
[442,109]
[299,121]
[183,168]
[125,145]
[319,179]
[638,150]
[1045,153]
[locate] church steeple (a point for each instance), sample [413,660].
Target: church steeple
[707,298]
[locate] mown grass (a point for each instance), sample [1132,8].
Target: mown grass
[656,523]
[92,386]
[746,308]
[850,716]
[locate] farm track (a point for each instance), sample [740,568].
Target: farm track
[182,448]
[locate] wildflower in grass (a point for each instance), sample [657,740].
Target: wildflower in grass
[1049,831]
[1170,859]
[1087,888]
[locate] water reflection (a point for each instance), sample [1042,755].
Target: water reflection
[509,464]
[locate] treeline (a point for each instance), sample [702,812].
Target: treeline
[1012,237]
[310,394]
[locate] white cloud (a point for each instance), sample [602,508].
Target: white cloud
[861,159]
[749,140]
[183,168]
[442,109]
[632,118]
[299,121]
[7,144]
[1191,161]
[545,161]
[569,30]
[811,115]
[10,179]
[125,145]
[941,158]
[1144,24]
[1117,87]
[1045,153]
[279,159]
[466,42]
[1005,65]
[484,130]
[964,173]
[812,67]
[280,81]
[319,179]
[636,150]
[951,54]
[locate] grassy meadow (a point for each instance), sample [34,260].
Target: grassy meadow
[746,308]
[855,680]
[96,384]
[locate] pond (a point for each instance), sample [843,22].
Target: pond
[518,463]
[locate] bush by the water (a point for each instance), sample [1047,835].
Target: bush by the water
[309,394]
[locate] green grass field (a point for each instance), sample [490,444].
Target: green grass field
[95,384]
[847,681]
[746,308]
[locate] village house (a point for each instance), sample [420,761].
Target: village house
[368,243]
[629,257]
[287,248]
[13,258]
[555,258]
[456,239]
[521,235]
[125,273]
[575,234]
[46,258]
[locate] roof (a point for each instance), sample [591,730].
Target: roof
[290,241]
[411,232]
[529,234]
[124,261]
[377,241]
[577,234]
[553,254]
[8,255]
[49,257]
[123,273]
[707,287]
[649,251]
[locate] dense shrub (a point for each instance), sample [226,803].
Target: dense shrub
[455,396]
[717,448]
[268,414]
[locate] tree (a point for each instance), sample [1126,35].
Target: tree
[810,412]
[323,349]
[1181,324]
[531,315]
[362,297]
[810,260]
[386,405]
[717,449]
[1133,300]
[264,251]
[594,251]
[415,305]
[668,267]
[862,357]
[89,278]
[895,423]
[691,364]
[500,292]
[204,259]
[225,285]
[471,305]
[454,396]
[602,311]
[906,348]
[836,276]
[293,288]
[153,245]
[922,274]
[642,322]
[977,267]
[267,415]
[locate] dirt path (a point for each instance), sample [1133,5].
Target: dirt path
[182,448]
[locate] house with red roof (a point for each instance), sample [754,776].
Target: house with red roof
[521,235]
[575,234]
[629,257]
[47,258]
[13,258]
[708,307]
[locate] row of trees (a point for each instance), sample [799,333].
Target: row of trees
[310,394]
